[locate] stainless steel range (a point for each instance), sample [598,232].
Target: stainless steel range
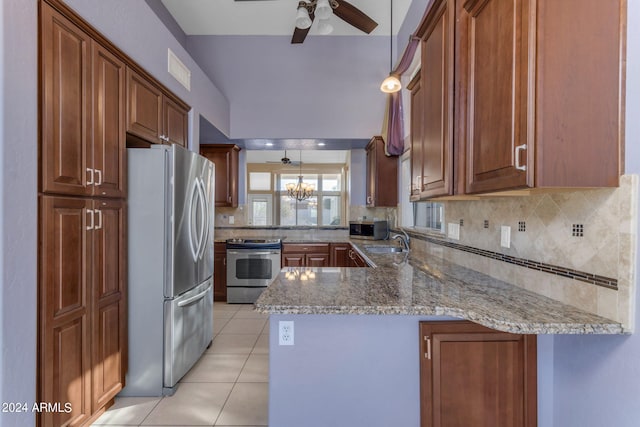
[251,266]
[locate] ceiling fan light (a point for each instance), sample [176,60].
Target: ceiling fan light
[324,27]
[391,84]
[323,9]
[303,21]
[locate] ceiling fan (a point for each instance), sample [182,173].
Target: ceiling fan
[308,10]
[286,161]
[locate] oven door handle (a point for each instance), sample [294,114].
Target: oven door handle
[251,252]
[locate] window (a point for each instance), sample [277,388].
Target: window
[325,208]
[429,215]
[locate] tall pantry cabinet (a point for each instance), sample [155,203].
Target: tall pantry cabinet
[82,338]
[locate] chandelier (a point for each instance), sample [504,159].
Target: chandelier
[300,191]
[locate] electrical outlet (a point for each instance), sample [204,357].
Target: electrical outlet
[453,231]
[232,219]
[505,236]
[285,332]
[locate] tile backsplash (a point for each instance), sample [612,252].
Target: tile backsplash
[591,231]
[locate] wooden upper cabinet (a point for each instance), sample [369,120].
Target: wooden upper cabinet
[175,122]
[417,140]
[434,102]
[474,376]
[579,97]
[153,115]
[83,140]
[109,141]
[544,98]
[517,94]
[144,108]
[225,157]
[499,66]
[66,98]
[382,175]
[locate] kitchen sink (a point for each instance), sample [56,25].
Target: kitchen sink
[384,249]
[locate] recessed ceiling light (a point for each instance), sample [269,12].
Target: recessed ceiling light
[269,144]
[321,144]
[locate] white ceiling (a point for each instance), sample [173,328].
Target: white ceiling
[308,156]
[273,17]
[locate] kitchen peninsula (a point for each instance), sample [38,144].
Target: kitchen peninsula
[356,333]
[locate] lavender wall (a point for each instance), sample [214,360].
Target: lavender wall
[137,31]
[597,379]
[346,370]
[327,87]
[18,215]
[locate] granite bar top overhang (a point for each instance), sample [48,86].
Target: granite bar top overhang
[418,285]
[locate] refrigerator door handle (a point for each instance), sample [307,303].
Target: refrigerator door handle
[193,299]
[205,215]
[192,244]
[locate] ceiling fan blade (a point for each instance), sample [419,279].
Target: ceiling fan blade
[299,34]
[354,16]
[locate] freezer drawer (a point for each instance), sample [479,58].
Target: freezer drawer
[188,325]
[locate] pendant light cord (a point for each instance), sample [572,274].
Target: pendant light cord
[391,39]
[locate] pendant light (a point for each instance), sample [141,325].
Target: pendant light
[391,84]
[301,190]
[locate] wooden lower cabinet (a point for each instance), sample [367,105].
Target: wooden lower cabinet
[339,256]
[82,306]
[305,255]
[220,271]
[475,376]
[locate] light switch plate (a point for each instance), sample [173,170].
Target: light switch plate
[505,236]
[453,231]
[232,219]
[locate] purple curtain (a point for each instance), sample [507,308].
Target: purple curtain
[393,128]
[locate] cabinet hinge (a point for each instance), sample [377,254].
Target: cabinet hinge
[427,353]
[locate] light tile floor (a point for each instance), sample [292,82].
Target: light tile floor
[228,386]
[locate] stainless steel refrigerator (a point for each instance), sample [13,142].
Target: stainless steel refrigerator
[171,213]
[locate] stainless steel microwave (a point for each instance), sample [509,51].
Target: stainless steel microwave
[374,230]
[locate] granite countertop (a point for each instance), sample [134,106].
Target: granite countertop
[417,285]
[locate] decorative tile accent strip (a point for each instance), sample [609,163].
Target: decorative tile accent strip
[522,226]
[486,223]
[462,223]
[606,282]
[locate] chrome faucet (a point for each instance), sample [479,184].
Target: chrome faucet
[404,238]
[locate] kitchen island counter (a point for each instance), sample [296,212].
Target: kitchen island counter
[414,284]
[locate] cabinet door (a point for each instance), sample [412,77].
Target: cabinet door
[474,376]
[371,175]
[225,157]
[382,175]
[220,272]
[317,260]
[66,112]
[108,310]
[175,122]
[339,254]
[437,101]
[109,140]
[144,108]
[498,72]
[293,260]
[417,138]
[65,359]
